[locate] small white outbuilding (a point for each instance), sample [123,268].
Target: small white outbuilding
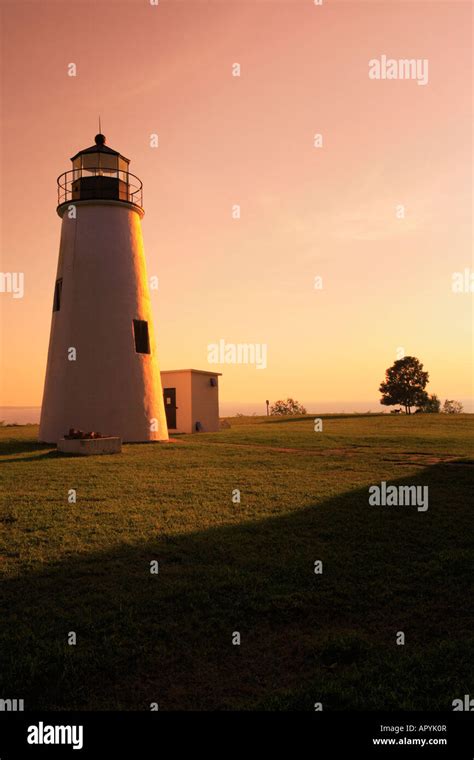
[191,399]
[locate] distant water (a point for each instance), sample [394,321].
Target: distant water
[20,415]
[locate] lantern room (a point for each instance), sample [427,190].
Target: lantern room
[99,173]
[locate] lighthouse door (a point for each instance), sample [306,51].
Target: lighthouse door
[169,395]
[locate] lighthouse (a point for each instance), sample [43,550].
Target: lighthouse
[102,371]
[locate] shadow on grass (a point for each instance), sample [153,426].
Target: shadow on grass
[19,446]
[52,454]
[305,637]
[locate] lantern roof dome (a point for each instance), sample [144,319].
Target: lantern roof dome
[100,147]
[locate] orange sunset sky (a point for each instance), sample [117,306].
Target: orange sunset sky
[248,140]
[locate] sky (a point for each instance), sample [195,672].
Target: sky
[381,211]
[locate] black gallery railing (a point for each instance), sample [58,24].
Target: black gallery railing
[100,183]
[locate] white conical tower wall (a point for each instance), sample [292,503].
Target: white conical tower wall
[109,388]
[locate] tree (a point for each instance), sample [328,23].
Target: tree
[432,405]
[283,408]
[405,384]
[452,407]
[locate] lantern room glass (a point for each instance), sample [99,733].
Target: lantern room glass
[99,163]
[99,173]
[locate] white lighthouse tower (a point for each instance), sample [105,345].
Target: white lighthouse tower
[102,373]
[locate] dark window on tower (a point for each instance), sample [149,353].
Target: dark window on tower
[57,295]
[142,341]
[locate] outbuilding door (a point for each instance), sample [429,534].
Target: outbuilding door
[169,395]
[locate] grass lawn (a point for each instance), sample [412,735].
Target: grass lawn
[248,567]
